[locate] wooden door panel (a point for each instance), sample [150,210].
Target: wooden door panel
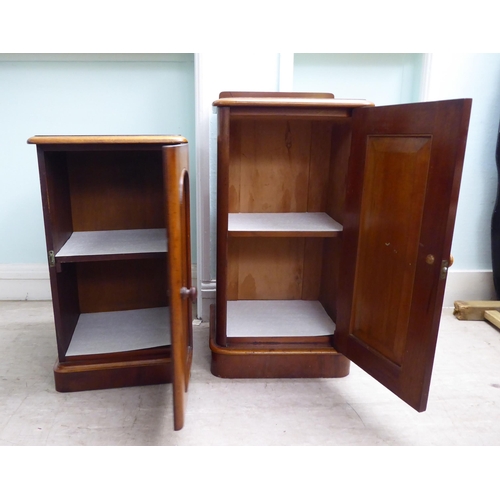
[401,198]
[179,274]
[383,294]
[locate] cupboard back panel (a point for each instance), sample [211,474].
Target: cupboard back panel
[274,268]
[116,190]
[122,285]
[278,165]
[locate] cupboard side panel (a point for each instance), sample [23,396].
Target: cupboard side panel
[58,228]
[319,166]
[223,163]
[66,306]
[313,268]
[56,198]
[234,173]
[233,258]
[339,162]
[329,288]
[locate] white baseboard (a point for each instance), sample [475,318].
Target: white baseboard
[31,282]
[24,282]
[468,285]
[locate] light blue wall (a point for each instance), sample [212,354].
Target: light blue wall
[397,78]
[476,76]
[94,94]
[381,78]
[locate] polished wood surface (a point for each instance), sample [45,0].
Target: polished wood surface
[292,358]
[291,102]
[73,377]
[390,176]
[277,161]
[402,192]
[309,95]
[103,184]
[116,189]
[179,272]
[106,139]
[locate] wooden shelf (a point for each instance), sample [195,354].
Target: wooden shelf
[278,318]
[283,224]
[82,244]
[120,331]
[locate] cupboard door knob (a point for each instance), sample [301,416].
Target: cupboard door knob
[189,293]
[430,259]
[452,260]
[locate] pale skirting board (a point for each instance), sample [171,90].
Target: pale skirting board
[468,285]
[24,282]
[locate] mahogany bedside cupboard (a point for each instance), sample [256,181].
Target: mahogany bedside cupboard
[116,214]
[334,227]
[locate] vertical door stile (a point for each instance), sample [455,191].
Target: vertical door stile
[179,276]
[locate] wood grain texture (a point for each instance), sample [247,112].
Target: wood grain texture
[177,215]
[492,317]
[223,178]
[266,268]
[106,139]
[394,192]
[473,310]
[279,360]
[291,102]
[73,377]
[108,183]
[391,330]
[112,190]
[272,173]
[121,285]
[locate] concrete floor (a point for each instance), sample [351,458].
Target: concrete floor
[463,408]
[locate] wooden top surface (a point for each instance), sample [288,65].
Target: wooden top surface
[300,101]
[107,139]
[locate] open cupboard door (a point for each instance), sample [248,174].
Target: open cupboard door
[401,199]
[182,294]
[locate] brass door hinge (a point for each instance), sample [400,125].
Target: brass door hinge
[52,258]
[444,269]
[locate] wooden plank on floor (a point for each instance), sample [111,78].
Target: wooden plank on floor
[492,317]
[473,310]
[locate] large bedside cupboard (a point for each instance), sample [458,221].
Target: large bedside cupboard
[334,227]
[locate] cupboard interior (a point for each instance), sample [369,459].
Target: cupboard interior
[112,297]
[277,166]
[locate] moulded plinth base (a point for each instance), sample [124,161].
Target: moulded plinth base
[279,360]
[73,377]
